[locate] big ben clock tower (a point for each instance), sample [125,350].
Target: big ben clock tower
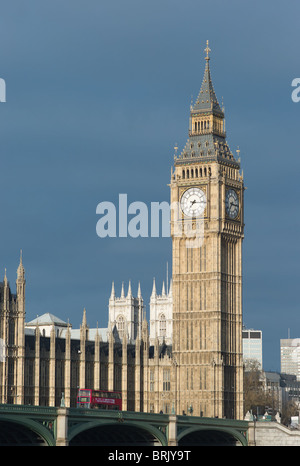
[207,228]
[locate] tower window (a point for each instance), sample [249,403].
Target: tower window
[121,326]
[166,380]
[162,326]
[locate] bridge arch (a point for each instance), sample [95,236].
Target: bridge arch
[16,431]
[211,436]
[116,434]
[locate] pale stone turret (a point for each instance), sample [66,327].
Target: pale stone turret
[83,339]
[129,293]
[6,294]
[111,342]
[97,361]
[37,366]
[124,373]
[125,313]
[68,367]
[161,314]
[52,368]
[20,330]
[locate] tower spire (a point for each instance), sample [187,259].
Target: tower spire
[21,270]
[207,136]
[153,289]
[84,322]
[139,294]
[112,295]
[129,293]
[207,99]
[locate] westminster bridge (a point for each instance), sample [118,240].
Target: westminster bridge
[49,426]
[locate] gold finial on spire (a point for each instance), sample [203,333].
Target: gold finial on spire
[207,50]
[238,153]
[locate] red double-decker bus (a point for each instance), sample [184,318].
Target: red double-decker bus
[99,399]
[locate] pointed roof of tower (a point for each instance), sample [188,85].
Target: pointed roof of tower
[112,295]
[84,322]
[153,289]
[129,293]
[21,270]
[5,281]
[207,99]
[139,294]
[207,143]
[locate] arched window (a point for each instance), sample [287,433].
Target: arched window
[121,326]
[162,325]
[196,173]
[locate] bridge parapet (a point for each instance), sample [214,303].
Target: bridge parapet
[65,426]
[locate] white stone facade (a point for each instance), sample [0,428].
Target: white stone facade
[126,314]
[161,315]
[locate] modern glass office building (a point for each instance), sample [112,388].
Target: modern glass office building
[290,356]
[252,345]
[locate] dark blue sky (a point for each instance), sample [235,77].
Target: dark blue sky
[98,93]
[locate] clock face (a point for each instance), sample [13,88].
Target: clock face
[193,202]
[232,203]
